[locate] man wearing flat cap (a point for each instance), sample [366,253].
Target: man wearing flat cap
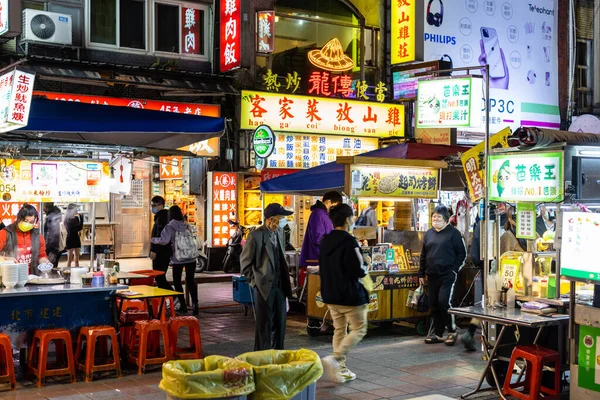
[263,263]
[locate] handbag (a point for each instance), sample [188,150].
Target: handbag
[423,303]
[416,295]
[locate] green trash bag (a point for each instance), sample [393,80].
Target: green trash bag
[209,378]
[282,374]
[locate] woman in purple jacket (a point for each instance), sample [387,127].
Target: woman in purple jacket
[318,226]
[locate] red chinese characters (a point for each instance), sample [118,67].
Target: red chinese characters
[190,31]
[324,84]
[403,31]
[22,91]
[224,207]
[230,35]
[474,177]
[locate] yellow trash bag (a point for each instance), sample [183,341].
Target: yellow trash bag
[282,374]
[212,377]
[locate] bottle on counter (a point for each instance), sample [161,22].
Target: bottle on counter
[535,287]
[510,297]
[544,287]
[552,286]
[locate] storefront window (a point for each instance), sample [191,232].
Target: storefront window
[133,23]
[166,37]
[103,17]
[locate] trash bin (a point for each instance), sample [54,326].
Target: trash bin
[284,374]
[213,377]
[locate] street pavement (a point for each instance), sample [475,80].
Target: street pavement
[390,363]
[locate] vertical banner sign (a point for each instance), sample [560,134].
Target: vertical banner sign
[171,168]
[3,16]
[190,31]
[231,32]
[589,358]
[526,218]
[16,91]
[403,18]
[222,203]
[265,31]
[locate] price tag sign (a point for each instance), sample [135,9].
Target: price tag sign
[526,220]
[510,270]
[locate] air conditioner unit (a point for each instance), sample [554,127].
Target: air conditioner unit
[47,27]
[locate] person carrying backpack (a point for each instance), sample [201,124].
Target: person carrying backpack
[185,251]
[369,215]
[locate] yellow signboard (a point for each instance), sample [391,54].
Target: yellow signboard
[404,33]
[205,148]
[434,135]
[334,116]
[55,181]
[394,182]
[473,160]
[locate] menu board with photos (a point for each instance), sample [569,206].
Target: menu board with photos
[580,233]
[222,201]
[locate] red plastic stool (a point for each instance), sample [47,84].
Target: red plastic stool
[163,313]
[131,311]
[90,334]
[7,366]
[536,358]
[195,349]
[40,346]
[145,342]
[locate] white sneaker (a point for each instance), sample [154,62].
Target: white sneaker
[346,375]
[332,369]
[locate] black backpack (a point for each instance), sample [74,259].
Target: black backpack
[362,219]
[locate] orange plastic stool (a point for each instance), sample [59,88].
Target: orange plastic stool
[536,358]
[163,313]
[195,349]
[91,334]
[40,346]
[7,365]
[145,339]
[131,311]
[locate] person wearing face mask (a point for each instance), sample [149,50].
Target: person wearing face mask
[443,254]
[318,226]
[74,225]
[160,254]
[263,263]
[22,242]
[340,270]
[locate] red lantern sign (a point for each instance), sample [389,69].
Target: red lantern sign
[231,32]
[265,31]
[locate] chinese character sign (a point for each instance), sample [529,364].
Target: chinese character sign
[394,182]
[293,113]
[222,207]
[474,164]
[3,16]
[449,102]
[579,257]
[171,168]
[191,42]
[265,31]
[54,181]
[403,36]
[589,357]
[532,177]
[16,91]
[298,151]
[526,220]
[230,35]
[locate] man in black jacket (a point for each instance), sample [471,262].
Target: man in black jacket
[160,254]
[52,228]
[442,256]
[341,270]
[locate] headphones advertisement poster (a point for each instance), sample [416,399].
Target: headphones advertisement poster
[517,38]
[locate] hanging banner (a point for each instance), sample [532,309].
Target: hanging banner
[222,206]
[171,168]
[54,181]
[293,150]
[272,173]
[518,39]
[451,103]
[16,91]
[474,164]
[526,220]
[404,33]
[394,182]
[191,41]
[530,177]
[265,31]
[230,35]
[293,113]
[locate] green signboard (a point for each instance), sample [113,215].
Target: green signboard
[529,177]
[263,141]
[589,358]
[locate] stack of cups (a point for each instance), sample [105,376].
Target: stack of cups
[23,274]
[10,275]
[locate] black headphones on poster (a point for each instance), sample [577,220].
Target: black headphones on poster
[449,59]
[437,18]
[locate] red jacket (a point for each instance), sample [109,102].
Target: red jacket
[24,246]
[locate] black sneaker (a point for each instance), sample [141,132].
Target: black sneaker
[433,339]
[451,339]
[196,309]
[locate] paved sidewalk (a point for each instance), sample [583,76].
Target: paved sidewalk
[390,363]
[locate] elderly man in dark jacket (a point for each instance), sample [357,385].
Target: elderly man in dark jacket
[263,263]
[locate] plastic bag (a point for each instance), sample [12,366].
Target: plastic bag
[282,374]
[367,282]
[409,298]
[423,303]
[416,295]
[209,378]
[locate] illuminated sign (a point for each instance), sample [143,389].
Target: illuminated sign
[171,168]
[263,141]
[454,102]
[293,150]
[16,91]
[293,113]
[403,33]
[230,35]
[532,177]
[3,16]
[394,182]
[331,57]
[222,206]
[206,110]
[265,31]
[205,148]
[433,136]
[190,31]
[579,259]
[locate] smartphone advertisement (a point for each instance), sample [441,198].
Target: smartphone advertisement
[517,39]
